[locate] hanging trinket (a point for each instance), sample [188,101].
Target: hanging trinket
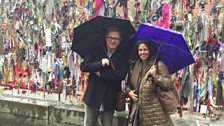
[137,11]
[164,20]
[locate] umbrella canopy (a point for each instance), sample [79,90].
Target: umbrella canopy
[172,48]
[91,34]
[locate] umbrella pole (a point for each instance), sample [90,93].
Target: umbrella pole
[156,56]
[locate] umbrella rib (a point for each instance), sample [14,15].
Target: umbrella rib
[177,48]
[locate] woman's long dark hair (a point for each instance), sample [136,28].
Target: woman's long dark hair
[151,46]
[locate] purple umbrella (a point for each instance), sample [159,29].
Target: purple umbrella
[172,48]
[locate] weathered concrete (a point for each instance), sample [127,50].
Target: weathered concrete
[23,112]
[16,120]
[20,113]
[67,115]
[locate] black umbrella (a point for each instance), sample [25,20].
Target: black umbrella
[91,34]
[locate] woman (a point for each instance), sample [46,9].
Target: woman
[145,109]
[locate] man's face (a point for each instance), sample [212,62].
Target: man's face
[113,39]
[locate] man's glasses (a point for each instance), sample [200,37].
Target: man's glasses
[113,38]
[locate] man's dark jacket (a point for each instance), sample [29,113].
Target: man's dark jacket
[104,89]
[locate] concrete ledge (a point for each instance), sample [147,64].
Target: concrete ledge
[15,120]
[66,114]
[24,109]
[15,113]
[24,112]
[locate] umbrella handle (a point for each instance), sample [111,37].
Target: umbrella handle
[156,55]
[112,64]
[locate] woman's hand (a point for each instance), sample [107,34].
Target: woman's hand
[132,95]
[152,71]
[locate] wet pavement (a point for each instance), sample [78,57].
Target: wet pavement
[197,119]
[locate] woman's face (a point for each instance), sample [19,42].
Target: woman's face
[143,52]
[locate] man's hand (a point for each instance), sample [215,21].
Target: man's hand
[105,62]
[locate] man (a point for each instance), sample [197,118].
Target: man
[107,66]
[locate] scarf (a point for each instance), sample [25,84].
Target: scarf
[138,71]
